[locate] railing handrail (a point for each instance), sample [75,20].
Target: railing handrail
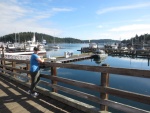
[102,69]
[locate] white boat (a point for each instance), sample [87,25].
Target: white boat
[55,46]
[10,47]
[44,42]
[29,45]
[112,46]
[124,48]
[99,53]
[93,45]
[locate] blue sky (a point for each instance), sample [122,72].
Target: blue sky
[81,19]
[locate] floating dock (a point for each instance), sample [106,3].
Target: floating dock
[69,59]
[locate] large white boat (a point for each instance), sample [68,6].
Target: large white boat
[99,53]
[93,45]
[29,45]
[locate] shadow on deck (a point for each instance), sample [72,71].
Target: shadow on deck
[14,99]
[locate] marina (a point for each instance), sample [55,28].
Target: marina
[75,56]
[118,51]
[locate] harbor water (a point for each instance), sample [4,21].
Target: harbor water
[133,84]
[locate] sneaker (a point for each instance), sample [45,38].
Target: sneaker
[29,91]
[35,94]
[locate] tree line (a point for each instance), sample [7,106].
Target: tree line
[26,36]
[138,39]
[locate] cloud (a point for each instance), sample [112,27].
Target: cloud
[132,27]
[106,10]
[100,26]
[81,26]
[20,17]
[121,32]
[62,9]
[11,11]
[129,31]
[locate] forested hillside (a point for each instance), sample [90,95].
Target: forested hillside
[138,39]
[26,36]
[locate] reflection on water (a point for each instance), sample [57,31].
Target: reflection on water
[98,60]
[133,84]
[128,83]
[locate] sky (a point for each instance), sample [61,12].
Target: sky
[80,19]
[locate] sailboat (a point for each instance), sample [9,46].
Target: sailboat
[55,46]
[43,41]
[10,47]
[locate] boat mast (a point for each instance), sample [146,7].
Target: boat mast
[33,39]
[15,37]
[54,38]
[132,41]
[19,38]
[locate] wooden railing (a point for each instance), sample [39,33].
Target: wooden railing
[13,69]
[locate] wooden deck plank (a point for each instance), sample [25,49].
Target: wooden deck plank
[14,91]
[14,99]
[27,107]
[2,93]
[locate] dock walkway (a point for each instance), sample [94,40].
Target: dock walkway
[71,58]
[14,99]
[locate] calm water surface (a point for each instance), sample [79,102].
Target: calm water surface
[134,84]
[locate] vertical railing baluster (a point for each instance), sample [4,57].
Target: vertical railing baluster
[54,73]
[104,83]
[28,68]
[14,66]
[3,61]
[1,55]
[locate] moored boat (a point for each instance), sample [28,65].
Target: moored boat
[55,46]
[93,45]
[99,53]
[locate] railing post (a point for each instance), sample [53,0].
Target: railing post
[54,73]
[14,66]
[3,61]
[2,56]
[28,68]
[104,83]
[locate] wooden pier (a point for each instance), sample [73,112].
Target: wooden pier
[13,72]
[129,53]
[72,58]
[14,99]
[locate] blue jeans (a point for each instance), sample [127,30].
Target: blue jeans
[35,77]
